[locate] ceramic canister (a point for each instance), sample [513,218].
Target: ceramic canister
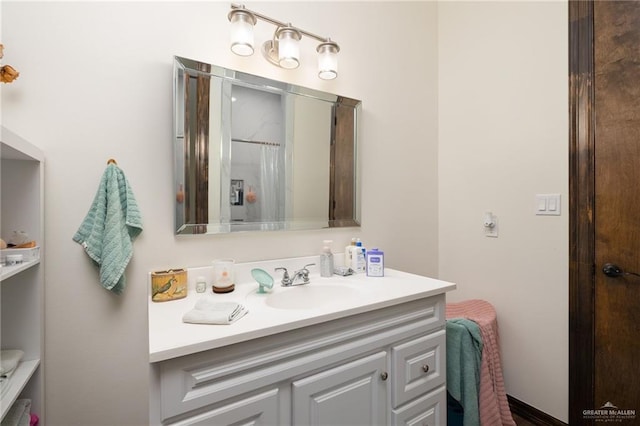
[168,285]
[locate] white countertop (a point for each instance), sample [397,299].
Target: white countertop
[169,337]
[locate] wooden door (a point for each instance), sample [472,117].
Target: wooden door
[604,187]
[617,202]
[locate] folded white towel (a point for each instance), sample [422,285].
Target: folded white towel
[5,382]
[208,311]
[18,414]
[9,360]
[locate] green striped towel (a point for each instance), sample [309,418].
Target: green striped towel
[464,356]
[111,225]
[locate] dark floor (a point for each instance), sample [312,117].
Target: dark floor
[522,422]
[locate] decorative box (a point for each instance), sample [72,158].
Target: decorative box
[168,285]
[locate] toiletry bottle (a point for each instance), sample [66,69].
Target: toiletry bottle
[358,260]
[348,253]
[326,260]
[375,263]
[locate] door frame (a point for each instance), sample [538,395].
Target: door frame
[581,210]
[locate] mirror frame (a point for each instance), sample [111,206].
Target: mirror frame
[194,185]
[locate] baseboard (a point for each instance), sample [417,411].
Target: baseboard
[532,414]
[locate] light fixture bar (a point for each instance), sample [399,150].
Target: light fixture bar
[279,23]
[283,50]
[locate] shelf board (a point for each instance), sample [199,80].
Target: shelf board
[9,271]
[13,147]
[17,382]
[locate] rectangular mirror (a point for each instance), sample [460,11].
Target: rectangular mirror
[253,154]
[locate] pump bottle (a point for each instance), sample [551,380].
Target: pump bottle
[326,260]
[358,259]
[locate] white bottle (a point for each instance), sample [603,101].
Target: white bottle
[326,260]
[358,259]
[348,253]
[375,263]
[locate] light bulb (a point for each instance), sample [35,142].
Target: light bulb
[328,60]
[242,23]
[288,47]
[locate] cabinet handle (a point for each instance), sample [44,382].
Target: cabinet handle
[384,375]
[425,368]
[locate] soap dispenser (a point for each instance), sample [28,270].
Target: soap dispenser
[326,260]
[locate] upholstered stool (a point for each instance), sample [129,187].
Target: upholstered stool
[494,407]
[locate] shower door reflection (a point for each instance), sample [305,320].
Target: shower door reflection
[280,181]
[257,147]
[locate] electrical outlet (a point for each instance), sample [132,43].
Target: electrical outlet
[490,225]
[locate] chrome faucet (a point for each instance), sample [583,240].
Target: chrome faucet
[302,274]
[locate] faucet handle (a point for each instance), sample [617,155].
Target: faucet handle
[305,271]
[286,280]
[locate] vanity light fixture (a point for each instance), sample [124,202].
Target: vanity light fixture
[284,49]
[328,60]
[242,22]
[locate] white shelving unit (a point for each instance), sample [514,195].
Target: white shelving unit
[22,285]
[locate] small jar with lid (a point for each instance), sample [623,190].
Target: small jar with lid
[14,259]
[201,284]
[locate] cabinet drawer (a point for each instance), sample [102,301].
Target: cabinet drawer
[419,367]
[256,409]
[429,410]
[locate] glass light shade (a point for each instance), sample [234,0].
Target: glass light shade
[328,60]
[288,48]
[242,23]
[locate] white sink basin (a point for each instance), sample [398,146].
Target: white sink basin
[307,296]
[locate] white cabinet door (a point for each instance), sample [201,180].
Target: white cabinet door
[347,395]
[260,409]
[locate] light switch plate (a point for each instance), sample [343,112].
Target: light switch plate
[548,205]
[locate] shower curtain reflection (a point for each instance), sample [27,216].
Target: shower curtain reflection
[270,184]
[256,168]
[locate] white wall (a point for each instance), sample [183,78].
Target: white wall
[503,111]
[96,83]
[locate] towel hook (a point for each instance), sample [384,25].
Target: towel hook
[112,161]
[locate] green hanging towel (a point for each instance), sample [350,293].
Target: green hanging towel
[111,225]
[464,356]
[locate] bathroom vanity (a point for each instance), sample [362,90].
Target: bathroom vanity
[342,350]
